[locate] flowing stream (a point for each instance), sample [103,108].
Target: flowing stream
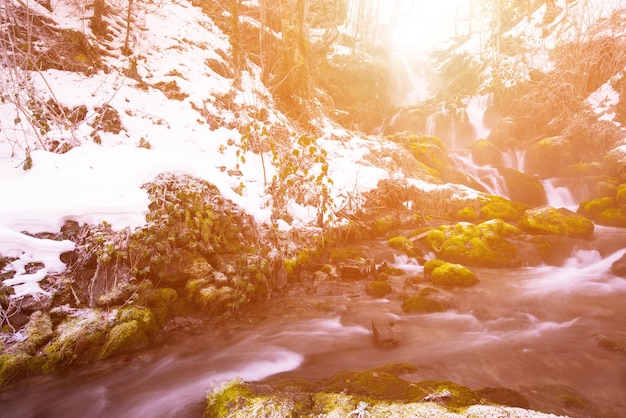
[528,329]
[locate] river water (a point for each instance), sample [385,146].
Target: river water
[540,330]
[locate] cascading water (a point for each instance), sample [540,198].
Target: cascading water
[559,196]
[475,108]
[539,331]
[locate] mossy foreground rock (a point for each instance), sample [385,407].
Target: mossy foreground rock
[553,221]
[447,274]
[606,210]
[484,245]
[378,392]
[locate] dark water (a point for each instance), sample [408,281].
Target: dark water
[536,330]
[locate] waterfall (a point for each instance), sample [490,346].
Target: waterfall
[475,109]
[514,158]
[486,176]
[559,196]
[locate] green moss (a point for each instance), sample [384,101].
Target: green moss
[382,226]
[430,265]
[378,288]
[402,244]
[226,397]
[572,402]
[143,316]
[612,217]
[503,396]
[552,221]
[387,270]
[501,208]
[162,301]
[122,338]
[435,239]
[468,214]
[14,368]
[422,304]
[38,331]
[453,275]
[591,209]
[79,339]
[376,384]
[345,254]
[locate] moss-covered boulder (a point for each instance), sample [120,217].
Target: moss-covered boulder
[38,331]
[15,367]
[486,244]
[497,207]
[523,188]
[402,244]
[449,274]
[615,163]
[378,288]
[122,338]
[162,303]
[549,157]
[553,221]
[378,392]
[485,152]
[423,304]
[78,339]
[612,217]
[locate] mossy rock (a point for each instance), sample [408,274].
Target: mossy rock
[378,383]
[378,288]
[220,400]
[615,163]
[523,188]
[346,254]
[423,304]
[38,332]
[402,244]
[485,244]
[125,337]
[503,396]
[467,214]
[453,275]
[549,157]
[553,221]
[162,302]
[592,208]
[497,207]
[78,339]
[143,316]
[15,367]
[485,152]
[612,217]
[431,265]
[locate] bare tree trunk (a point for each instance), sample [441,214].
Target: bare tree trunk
[126,50]
[97,24]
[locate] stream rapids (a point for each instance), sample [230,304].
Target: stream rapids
[534,330]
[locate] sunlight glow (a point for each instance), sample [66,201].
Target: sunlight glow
[421,24]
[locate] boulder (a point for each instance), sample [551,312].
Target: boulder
[549,157]
[553,221]
[485,152]
[615,163]
[449,274]
[387,333]
[523,188]
[618,268]
[423,304]
[378,288]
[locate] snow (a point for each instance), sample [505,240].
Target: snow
[94,183]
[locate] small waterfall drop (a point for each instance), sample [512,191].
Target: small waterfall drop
[558,196]
[514,158]
[486,176]
[475,109]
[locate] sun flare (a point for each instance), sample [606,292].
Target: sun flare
[423,24]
